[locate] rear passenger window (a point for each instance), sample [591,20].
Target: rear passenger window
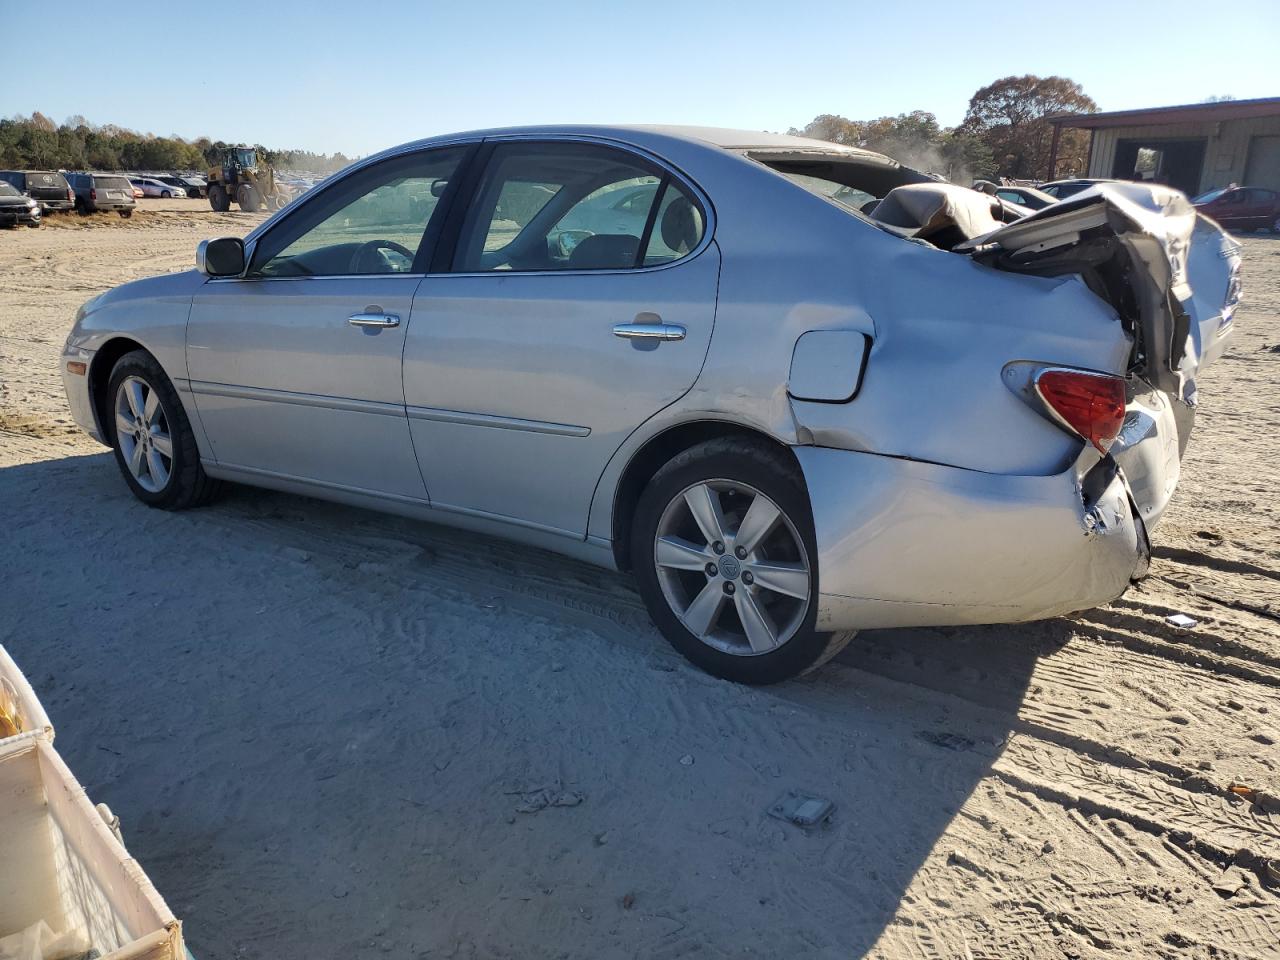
[677,229]
[574,206]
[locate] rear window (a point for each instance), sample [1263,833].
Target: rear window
[851,197]
[850,181]
[46,180]
[112,183]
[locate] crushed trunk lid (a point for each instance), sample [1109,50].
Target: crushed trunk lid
[1170,273]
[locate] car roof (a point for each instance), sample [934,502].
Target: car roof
[642,134]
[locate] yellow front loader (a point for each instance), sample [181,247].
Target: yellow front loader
[242,179]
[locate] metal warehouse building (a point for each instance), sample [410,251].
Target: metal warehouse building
[1196,147]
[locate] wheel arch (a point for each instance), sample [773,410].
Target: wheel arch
[654,453]
[104,361]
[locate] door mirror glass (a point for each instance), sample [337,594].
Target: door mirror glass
[223,257]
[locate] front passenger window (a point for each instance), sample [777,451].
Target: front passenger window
[376,221]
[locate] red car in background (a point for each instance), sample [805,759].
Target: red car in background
[1242,208]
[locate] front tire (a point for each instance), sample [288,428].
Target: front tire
[725,556]
[154,446]
[218,198]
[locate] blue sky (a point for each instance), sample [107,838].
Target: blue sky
[358,77]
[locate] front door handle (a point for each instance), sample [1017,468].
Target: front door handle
[648,331]
[373,320]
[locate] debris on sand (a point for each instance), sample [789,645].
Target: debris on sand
[802,809]
[946,740]
[544,797]
[1181,621]
[1232,881]
[1264,801]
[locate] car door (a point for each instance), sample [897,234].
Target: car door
[1260,207]
[1232,210]
[295,366]
[544,342]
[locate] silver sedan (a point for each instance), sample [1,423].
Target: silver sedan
[795,388]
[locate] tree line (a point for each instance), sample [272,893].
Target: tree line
[1005,133]
[37,143]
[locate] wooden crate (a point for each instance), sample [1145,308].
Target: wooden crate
[62,865]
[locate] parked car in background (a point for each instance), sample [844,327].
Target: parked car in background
[152,187]
[138,192]
[195,186]
[49,189]
[697,388]
[187,184]
[97,192]
[1029,197]
[1242,208]
[1061,189]
[16,207]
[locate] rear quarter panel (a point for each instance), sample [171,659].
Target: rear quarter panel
[942,328]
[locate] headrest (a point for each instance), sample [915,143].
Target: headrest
[681,224]
[604,251]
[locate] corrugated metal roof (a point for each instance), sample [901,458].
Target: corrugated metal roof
[1183,113]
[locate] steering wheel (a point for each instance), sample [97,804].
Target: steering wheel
[362,262]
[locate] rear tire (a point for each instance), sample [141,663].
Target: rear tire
[126,213]
[737,474]
[151,436]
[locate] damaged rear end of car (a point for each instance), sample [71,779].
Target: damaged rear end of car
[1069,341]
[1172,278]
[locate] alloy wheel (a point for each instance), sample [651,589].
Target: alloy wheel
[142,431]
[732,567]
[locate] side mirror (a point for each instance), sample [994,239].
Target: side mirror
[223,257]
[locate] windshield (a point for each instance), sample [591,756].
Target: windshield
[246,158]
[1210,196]
[7,190]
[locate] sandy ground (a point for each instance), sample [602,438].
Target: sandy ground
[329,732]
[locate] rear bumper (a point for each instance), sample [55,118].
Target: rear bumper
[55,204]
[906,543]
[110,206]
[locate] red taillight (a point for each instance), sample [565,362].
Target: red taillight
[71,194]
[93,194]
[1091,404]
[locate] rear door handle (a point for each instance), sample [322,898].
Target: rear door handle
[648,331]
[373,320]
